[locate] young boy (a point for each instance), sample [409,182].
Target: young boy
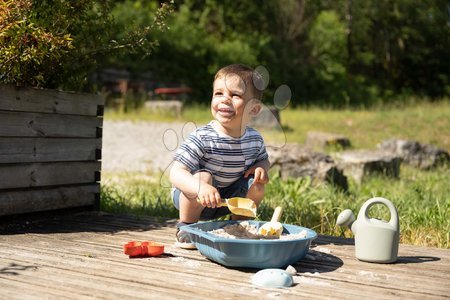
[225,158]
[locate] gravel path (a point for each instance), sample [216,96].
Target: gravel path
[141,146]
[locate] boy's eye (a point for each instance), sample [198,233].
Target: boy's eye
[236,95]
[218,94]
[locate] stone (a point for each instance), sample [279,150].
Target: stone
[173,107]
[358,164]
[321,140]
[296,161]
[423,156]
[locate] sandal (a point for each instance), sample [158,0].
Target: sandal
[184,240]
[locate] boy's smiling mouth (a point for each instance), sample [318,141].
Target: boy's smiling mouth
[226,112]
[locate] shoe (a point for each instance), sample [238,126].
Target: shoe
[184,240]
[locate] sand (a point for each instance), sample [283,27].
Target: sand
[245,230]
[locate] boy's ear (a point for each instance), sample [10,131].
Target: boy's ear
[256,109]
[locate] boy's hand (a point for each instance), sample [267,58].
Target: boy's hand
[208,196]
[260,174]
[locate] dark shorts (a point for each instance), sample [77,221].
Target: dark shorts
[238,189]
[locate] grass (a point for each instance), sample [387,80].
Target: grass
[137,193]
[198,113]
[422,197]
[426,122]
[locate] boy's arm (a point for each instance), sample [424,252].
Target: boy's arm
[265,164]
[183,180]
[260,171]
[192,187]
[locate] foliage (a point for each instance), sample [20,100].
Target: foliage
[421,198]
[401,45]
[199,42]
[327,37]
[57,43]
[138,199]
[339,53]
[26,47]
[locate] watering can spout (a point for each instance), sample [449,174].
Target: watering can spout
[347,219]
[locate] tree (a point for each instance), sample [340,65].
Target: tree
[328,47]
[203,37]
[402,46]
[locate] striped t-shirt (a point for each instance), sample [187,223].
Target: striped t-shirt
[227,158]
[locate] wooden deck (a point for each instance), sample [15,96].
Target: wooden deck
[80,256]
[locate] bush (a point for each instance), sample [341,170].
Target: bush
[55,44]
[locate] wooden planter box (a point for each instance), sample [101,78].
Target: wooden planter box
[50,150]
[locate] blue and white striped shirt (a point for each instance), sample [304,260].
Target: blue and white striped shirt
[227,158]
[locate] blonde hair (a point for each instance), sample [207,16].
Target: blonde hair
[250,77]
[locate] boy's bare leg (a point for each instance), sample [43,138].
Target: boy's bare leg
[256,193]
[190,209]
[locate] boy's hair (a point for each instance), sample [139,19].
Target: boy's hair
[251,78]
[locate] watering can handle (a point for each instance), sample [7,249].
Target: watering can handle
[364,211]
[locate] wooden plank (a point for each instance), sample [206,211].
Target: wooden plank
[18,124]
[48,174]
[407,273]
[61,255]
[49,101]
[100,284]
[25,150]
[326,264]
[175,266]
[72,283]
[11,289]
[152,278]
[26,201]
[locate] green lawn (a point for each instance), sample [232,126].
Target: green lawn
[422,197]
[427,123]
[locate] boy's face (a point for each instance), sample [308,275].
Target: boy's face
[232,104]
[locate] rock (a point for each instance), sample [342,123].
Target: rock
[294,160]
[358,164]
[321,140]
[423,156]
[291,270]
[268,117]
[170,106]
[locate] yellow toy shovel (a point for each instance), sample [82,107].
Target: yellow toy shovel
[240,206]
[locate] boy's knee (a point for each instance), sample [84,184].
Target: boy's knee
[257,190]
[258,187]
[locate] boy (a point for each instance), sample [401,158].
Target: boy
[225,158]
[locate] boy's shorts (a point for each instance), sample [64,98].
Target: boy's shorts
[238,188]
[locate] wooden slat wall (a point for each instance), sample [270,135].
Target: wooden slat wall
[16,124]
[50,101]
[50,149]
[32,200]
[26,150]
